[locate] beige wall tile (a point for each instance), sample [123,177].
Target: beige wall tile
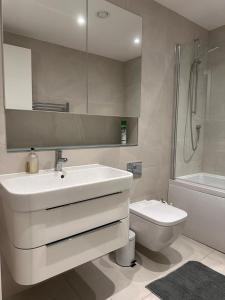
[214,134]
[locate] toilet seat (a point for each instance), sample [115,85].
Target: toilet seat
[158,213]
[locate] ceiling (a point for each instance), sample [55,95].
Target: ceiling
[114,35]
[55,21]
[209,14]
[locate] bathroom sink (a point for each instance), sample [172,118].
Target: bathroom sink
[51,222]
[48,189]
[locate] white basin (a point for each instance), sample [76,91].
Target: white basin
[50,224]
[25,192]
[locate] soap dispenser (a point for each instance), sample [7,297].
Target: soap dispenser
[32,165]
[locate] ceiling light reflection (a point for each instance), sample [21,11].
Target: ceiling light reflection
[81,21]
[137,41]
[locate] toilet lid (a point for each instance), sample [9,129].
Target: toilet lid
[158,212]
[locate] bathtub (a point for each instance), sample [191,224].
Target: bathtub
[202,196]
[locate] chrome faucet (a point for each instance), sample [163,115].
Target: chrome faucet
[59,160]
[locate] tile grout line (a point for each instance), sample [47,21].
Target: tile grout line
[211,252]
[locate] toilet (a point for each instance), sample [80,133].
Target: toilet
[156,224]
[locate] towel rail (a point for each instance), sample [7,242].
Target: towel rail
[51,106]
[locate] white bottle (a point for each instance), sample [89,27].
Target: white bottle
[123,132]
[32,165]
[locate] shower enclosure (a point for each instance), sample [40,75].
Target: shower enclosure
[199,114]
[197,182]
[191,94]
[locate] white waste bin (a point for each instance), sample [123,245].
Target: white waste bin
[125,256]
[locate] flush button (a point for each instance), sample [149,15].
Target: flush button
[135,168]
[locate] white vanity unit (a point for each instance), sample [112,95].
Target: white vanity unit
[52,221]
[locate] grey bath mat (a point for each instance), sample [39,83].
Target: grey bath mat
[192,281]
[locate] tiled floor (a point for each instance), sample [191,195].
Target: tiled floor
[103,279]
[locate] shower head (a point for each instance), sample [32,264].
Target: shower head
[213,49]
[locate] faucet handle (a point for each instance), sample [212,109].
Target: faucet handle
[63,159]
[58,154]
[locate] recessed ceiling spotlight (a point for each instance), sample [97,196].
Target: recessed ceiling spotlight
[103,14]
[137,41]
[81,20]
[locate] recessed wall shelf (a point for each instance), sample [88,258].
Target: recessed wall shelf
[65,131]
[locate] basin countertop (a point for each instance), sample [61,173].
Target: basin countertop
[48,188]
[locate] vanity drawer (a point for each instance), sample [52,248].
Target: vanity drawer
[34,229]
[35,265]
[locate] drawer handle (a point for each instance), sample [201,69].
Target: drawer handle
[74,203]
[83,233]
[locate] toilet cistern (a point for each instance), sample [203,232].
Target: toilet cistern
[59,160]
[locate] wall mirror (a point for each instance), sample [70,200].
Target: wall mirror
[71,68]
[54,61]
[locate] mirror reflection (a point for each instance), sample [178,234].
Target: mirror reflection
[45,55]
[53,62]
[114,61]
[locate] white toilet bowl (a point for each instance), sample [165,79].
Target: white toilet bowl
[156,224]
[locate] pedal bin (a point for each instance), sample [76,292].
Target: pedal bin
[125,256]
